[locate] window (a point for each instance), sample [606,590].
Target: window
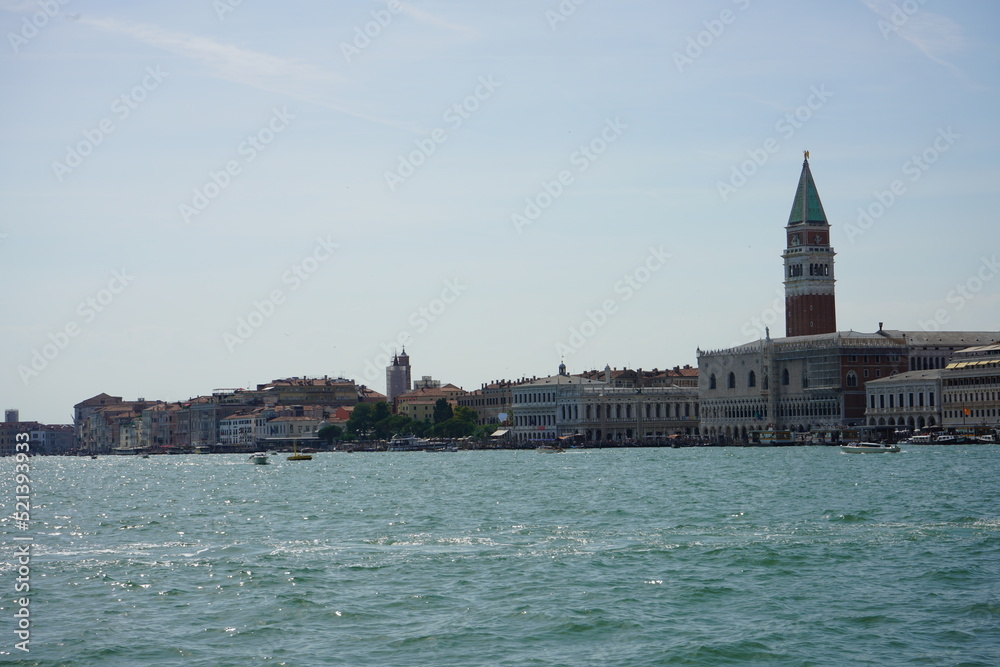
[752,379]
[764,384]
[784,377]
[852,379]
[711,381]
[732,380]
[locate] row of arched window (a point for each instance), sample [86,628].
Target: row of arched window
[916,400]
[535,420]
[758,411]
[751,381]
[540,397]
[625,411]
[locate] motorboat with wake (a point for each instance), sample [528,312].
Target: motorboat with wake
[868,448]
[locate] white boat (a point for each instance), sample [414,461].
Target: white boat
[407,443]
[987,439]
[868,448]
[258,458]
[920,440]
[946,440]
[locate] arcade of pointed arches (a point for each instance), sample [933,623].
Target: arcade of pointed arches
[750,414]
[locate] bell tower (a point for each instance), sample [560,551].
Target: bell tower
[810,303]
[397,376]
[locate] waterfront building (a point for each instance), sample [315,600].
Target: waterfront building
[199,420]
[260,418]
[237,430]
[102,430]
[397,377]
[9,432]
[935,349]
[289,431]
[83,410]
[311,391]
[159,426]
[491,400]
[814,379]
[678,376]
[903,402]
[800,384]
[971,389]
[610,406]
[535,404]
[130,433]
[419,403]
[653,415]
[53,439]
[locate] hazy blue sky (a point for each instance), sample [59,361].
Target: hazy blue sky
[198,195]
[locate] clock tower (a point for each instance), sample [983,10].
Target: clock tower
[810,304]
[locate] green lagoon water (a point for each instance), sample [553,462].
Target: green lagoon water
[702,556]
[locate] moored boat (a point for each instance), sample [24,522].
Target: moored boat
[868,448]
[407,443]
[298,457]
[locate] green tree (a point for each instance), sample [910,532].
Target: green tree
[466,414]
[330,433]
[485,431]
[393,425]
[362,419]
[442,411]
[382,411]
[419,428]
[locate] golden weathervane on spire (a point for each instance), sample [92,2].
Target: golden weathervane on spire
[806,153]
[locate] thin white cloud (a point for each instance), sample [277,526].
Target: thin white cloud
[934,35]
[19,6]
[423,17]
[285,76]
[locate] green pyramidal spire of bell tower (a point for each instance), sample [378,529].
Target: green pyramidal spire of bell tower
[807,208]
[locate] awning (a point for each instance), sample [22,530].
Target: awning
[499,433]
